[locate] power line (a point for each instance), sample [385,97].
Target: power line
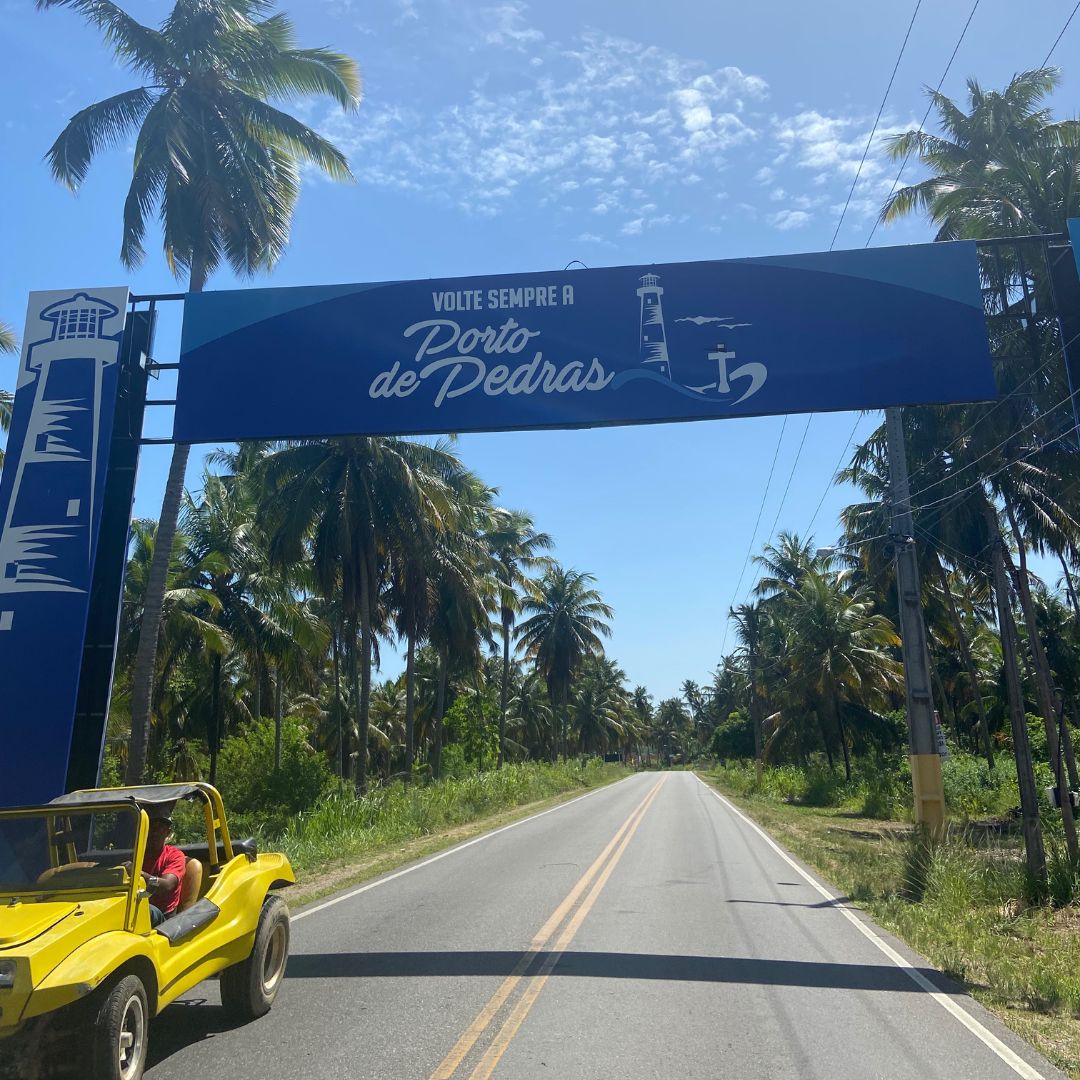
[989,476]
[926,115]
[1072,14]
[791,476]
[836,233]
[832,475]
[874,565]
[941,81]
[757,522]
[1008,438]
[989,412]
[877,120]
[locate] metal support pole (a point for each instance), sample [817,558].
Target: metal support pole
[925,761]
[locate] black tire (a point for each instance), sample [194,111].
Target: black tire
[121,1031]
[248,989]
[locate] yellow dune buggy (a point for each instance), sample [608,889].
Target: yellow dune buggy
[80,965]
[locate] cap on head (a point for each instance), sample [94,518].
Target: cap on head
[161,811]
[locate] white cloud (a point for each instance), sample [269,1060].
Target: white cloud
[507,26]
[833,146]
[789,219]
[694,109]
[633,228]
[606,112]
[764,175]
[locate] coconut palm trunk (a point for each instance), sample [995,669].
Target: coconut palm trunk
[335,639]
[437,719]
[1069,587]
[507,624]
[215,718]
[219,165]
[410,708]
[145,667]
[256,688]
[1044,688]
[1025,774]
[838,719]
[969,665]
[354,677]
[278,704]
[825,740]
[366,645]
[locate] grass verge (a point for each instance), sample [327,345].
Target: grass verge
[1021,962]
[344,841]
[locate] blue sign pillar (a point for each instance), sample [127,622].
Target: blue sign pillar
[51,500]
[1074,236]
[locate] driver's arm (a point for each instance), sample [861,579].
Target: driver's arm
[158,886]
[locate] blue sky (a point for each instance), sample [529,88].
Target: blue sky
[510,137]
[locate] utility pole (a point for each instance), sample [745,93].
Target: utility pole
[922,735]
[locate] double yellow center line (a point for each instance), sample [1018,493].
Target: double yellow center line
[596,876]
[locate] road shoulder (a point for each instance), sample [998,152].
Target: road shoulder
[793,831]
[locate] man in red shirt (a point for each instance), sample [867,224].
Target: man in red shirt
[163,866]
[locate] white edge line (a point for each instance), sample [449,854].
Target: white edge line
[444,854]
[1009,1056]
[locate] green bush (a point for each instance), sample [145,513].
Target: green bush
[734,737]
[880,786]
[341,826]
[972,790]
[883,782]
[259,798]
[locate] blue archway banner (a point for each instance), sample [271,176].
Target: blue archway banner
[617,345]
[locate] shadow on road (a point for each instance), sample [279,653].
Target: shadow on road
[608,965]
[836,901]
[187,1021]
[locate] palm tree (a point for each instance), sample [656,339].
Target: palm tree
[411,599]
[670,723]
[344,503]
[750,627]
[601,706]
[641,707]
[838,649]
[189,631]
[1003,167]
[217,163]
[786,564]
[388,719]
[465,597]
[259,612]
[514,545]
[566,620]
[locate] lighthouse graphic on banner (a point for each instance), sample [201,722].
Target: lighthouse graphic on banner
[654,352]
[46,534]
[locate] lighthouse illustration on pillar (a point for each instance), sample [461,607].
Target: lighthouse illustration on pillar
[654,354]
[46,535]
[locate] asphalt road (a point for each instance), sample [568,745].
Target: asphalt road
[644,930]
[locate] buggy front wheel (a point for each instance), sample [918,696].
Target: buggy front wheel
[248,989]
